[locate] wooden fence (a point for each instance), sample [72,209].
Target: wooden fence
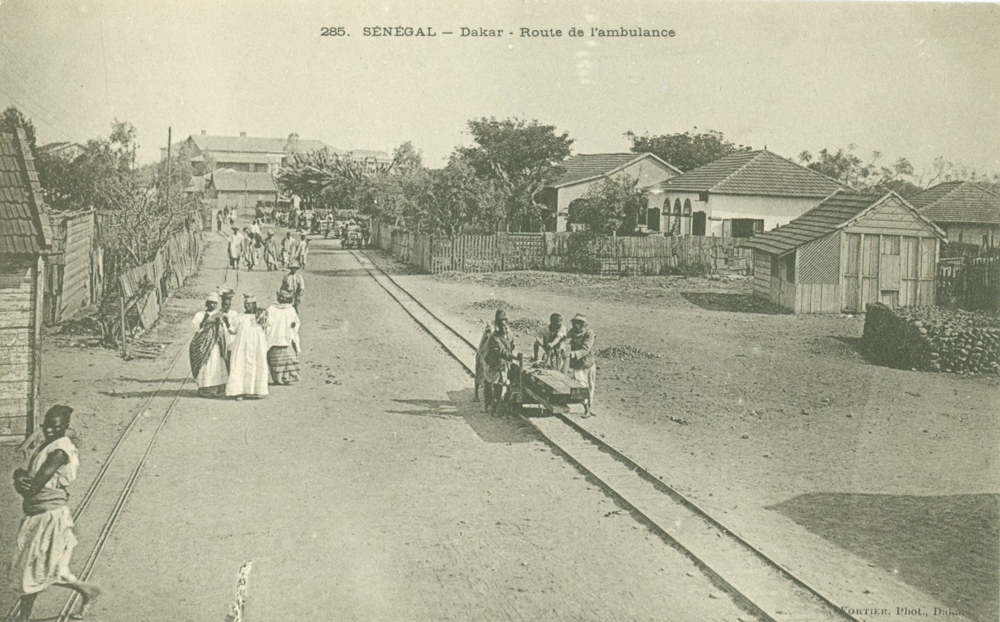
[145,288]
[565,252]
[75,274]
[969,283]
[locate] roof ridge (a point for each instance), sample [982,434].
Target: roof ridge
[813,171]
[742,166]
[981,187]
[958,184]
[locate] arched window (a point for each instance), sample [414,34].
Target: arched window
[686,223]
[677,207]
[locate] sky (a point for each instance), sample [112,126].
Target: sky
[907,79]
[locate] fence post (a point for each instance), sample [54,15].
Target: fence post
[121,305]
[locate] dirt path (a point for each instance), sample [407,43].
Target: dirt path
[374,490]
[864,479]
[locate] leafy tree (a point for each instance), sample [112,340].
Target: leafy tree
[407,158]
[610,206]
[330,181]
[12,118]
[520,157]
[848,168]
[686,151]
[460,200]
[945,170]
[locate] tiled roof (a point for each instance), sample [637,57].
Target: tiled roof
[23,217]
[591,165]
[821,220]
[755,173]
[959,201]
[254,144]
[226,180]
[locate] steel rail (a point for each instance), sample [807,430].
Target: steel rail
[656,482]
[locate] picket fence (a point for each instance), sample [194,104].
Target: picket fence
[969,283]
[609,255]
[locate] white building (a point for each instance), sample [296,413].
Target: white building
[739,195]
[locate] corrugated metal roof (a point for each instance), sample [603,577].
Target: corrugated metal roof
[755,173]
[225,180]
[959,201]
[23,217]
[825,218]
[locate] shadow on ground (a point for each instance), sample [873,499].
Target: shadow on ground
[943,545]
[733,303]
[498,429]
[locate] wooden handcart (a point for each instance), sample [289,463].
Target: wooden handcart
[549,390]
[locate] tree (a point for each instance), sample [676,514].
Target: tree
[460,200]
[945,170]
[407,158]
[686,151]
[331,181]
[520,157]
[611,206]
[12,118]
[849,169]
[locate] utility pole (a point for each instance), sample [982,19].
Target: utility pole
[169,141]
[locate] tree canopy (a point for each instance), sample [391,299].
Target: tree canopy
[848,168]
[687,150]
[520,157]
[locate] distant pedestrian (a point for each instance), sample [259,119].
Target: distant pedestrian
[218,221]
[283,345]
[552,342]
[303,252]
[248,371]
[45,539]
[294,283]
[232,217]
[496,363]
[270,252]
[249,249]
[582,363]
[235,249]
[288,249]
[208,350]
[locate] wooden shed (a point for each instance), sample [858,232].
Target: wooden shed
[850,250]
[23,245]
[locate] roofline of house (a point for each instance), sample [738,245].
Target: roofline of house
[759,152]
[638,156]
[39,214]
[892,193]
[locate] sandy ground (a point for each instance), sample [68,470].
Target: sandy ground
[372,490]
[880,485]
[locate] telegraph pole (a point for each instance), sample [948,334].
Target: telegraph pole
[169,140]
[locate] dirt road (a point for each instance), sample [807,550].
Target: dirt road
[375,490]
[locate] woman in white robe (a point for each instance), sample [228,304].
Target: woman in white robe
[283,345]
[248,372]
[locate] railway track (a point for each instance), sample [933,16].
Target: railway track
[760,585]
[120,471]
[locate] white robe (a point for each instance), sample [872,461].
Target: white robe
[280,332]
[45,541]
[248,372]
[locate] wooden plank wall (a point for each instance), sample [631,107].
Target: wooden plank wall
[762,274]
[17,343]
[817,298]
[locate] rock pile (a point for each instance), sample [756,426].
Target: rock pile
[933,339]
[624,353]
[494,303]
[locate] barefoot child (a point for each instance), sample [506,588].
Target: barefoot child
[45,539]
